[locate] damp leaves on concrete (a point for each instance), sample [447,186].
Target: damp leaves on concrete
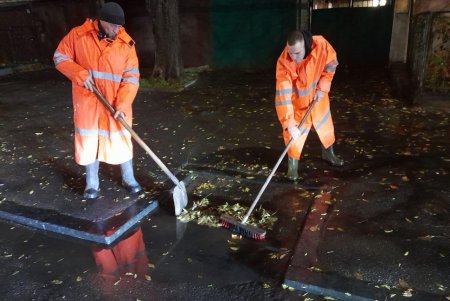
[233,245]
[204,186]
[56,281]
[407,293]
[280,254]
[314,269]
[314,228]
[284,286]
[203,213]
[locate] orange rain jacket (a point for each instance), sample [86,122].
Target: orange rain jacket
[113,65]
[295,89]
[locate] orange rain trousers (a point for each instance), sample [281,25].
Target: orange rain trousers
[113,64]
[295,89]
[128,256]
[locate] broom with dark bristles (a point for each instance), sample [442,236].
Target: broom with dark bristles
[241,227]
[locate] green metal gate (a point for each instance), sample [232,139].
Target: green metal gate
[250,33]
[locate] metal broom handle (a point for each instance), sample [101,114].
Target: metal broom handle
[136,137]
[244,220]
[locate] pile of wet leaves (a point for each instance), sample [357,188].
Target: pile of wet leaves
[203,213]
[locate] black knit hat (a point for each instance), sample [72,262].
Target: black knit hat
[111,12]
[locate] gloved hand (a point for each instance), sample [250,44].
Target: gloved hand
[119,113]
[319,94]
[293,130]
[89,83]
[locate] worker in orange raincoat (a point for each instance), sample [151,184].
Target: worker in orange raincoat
[304,72]
[100,53]
[128,256]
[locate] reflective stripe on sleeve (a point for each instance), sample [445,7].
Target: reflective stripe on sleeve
[306,91]
[133,70]
[283,102]
[59,57]
[133,80]
[106,75]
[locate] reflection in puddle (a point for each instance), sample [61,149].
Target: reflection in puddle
[128,257]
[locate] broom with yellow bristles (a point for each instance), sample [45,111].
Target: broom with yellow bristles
[241,227]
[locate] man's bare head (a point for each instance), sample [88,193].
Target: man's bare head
[296,46]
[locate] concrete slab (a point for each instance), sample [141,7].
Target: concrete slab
[41,199]
[96,232]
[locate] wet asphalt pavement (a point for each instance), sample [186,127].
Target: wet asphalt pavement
[377,228]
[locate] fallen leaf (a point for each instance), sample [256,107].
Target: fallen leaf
[56,281]
[314,228]
[403,284]
[425,237]
[407,293]
[358,275]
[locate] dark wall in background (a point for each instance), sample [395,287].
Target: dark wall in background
[429,56]
[359,35]
[221,33]
[194,31]
[31,31]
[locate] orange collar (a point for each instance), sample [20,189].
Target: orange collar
[92,25]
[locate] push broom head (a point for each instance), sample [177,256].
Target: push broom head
[242,229]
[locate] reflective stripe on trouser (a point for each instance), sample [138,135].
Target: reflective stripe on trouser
[90,146]
[320,117]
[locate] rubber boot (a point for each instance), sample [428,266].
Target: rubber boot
[128,180]
[329,156]
[92,183]
[292,173]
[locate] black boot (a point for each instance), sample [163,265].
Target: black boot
[292,173]
[329,156]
